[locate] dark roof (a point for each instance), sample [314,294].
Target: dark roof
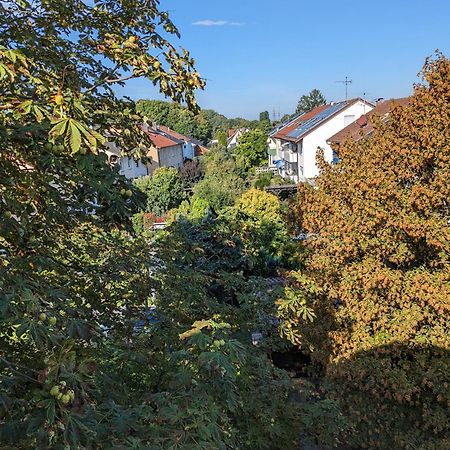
[299,127]
[293,123]
[363,126]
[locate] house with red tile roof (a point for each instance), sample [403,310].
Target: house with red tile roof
[363,126]
[168,149]
[294,144]
[165,151]
[191,147]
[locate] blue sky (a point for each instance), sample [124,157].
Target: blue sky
[264,54]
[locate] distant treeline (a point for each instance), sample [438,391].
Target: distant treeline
[202,126]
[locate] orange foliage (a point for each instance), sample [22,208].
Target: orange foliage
[379,250]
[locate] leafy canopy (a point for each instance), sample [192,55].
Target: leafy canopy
[178,118]
[222,182]
[163,190]
[310,101]
[379,272]
[251,150]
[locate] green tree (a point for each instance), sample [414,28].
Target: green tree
[251,150]
[310,101]
[264,116]
[222,182]
[378,273]
[163,190]
[258,219]
[221,137]
[178,118]
[72,284]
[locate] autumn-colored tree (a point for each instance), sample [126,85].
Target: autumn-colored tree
[379,241]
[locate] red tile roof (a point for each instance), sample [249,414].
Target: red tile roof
[161,141]
[200,148]
[363,126]
[172,133]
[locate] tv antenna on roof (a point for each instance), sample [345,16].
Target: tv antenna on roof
[346,82]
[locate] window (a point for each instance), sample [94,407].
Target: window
[335,157]
[113,159]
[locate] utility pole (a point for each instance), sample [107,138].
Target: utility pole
[346,82]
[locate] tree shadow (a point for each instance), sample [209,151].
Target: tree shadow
[392,396]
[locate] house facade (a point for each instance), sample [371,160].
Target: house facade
[128,166]
[294,145]
[164,152]
[191,147]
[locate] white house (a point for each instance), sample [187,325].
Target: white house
[191,147]
[293,146]
[234,135]
[129,167]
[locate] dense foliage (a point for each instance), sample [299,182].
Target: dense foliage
[251,150]
[378,273]
[310,101]
[222,182]
[163,190]
[203,125]
[178,118]
[260,222]
[108,340]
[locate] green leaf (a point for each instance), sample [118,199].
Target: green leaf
[73,137]
[59,128]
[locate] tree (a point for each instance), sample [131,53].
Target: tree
[264,116]
[178,118]
[191,173]
[73,282]
[221,137]
[308,102]
[259,222]
[222,182]
[378,274]
[251,150]
[163,190]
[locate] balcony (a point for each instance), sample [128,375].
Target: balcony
[290,156]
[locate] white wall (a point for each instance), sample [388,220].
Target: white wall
[129,167]
[171,156]
[132,168]
[319,137]
[188,150]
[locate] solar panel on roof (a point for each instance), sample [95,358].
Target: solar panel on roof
[311,123]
